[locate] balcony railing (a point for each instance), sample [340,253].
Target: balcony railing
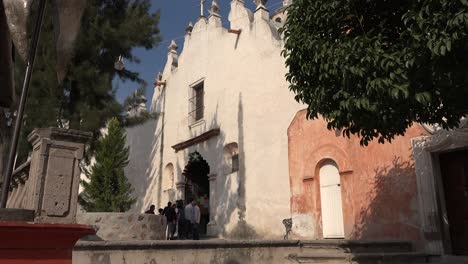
[18,185]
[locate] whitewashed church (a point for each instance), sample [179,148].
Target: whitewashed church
[229,133]
[223,100]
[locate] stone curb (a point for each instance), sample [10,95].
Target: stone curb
[181,244]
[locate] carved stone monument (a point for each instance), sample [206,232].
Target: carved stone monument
[52,186]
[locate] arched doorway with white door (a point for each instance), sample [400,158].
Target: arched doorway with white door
[331,200]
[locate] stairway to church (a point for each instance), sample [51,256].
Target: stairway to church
[359,252]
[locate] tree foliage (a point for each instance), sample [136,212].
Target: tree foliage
[372,68]
[85,100]
[137,97]
[108,190]
[132,103]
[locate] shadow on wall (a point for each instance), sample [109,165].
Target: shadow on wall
[230,186]
[150,182]
[141,154]
[236,200]
[224,198]
[392,211]
[230,190]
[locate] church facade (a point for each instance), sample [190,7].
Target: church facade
[229,134]
[222,102]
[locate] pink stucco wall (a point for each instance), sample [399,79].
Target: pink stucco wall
[378,182]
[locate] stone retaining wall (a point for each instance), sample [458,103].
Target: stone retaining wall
[186,252]
[125,226]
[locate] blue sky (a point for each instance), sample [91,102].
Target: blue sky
[175,16]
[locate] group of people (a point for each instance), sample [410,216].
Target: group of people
[183,221]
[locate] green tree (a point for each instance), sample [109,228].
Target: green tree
[85,100]
[108,189]
[372,68]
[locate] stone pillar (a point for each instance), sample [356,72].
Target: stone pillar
[212,228]
[261,12]
[214,20]
[180,192]
[172,56]
[54,176]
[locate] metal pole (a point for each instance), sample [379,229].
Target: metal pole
[24,96]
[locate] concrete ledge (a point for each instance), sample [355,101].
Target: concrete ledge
[355,242]
[182,244]
[451,259]
[16,215]
[232,251]
[39,243]
[222,243]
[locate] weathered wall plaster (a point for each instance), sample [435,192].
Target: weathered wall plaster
[140,140]
[378,182]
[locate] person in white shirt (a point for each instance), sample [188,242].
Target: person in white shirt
[188,211]
[195,220]
[192,214]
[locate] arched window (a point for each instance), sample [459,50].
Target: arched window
[231,157]
[168,177]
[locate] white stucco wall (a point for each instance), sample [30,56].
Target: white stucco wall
[247,97]
[140,140]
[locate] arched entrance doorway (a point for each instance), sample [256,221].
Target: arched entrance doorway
[330,199]
[197,186]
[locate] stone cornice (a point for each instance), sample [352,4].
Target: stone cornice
[193,141]
[55,133]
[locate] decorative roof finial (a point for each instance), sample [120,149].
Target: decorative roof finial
[172,56]
[287,2]
[173,47]
[214,9]
[158,81]
[260,3]
[202,2]
[189,28]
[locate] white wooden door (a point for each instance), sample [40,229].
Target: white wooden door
[332,207]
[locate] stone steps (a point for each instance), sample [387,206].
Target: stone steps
[361,258]
[358,252]
[349,246]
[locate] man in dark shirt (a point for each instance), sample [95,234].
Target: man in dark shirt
[170,214]
[151,210]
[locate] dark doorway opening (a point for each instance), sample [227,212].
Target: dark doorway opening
[454,170]
[198,186]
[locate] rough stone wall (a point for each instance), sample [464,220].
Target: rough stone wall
[125,226]
[186,252]
[378,182]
